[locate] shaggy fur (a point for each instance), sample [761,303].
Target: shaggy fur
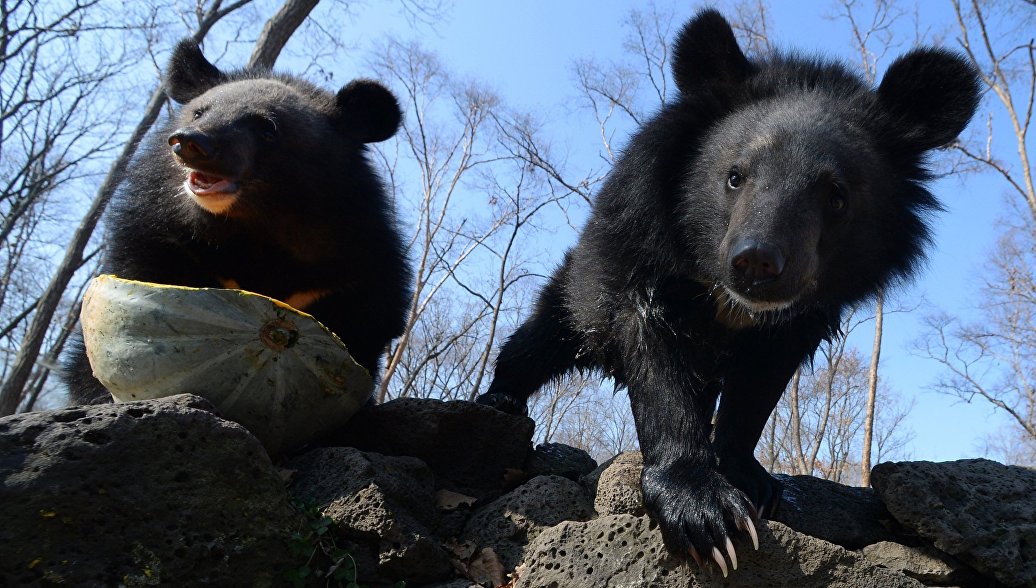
[736,229]
[289,204]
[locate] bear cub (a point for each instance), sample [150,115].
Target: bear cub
[736,229]
[262,181]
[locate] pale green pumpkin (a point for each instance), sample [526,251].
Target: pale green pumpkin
[271,368]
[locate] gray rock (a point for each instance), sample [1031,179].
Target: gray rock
[327,474]
[385,503]
[844,515]
[469,446]
[977,510]
[627,551]
[558,459]
[510,522]
[143,493]
[618,486]
[924,563]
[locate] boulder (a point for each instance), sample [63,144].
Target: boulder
[618,488]
[977,510]
[382,505]
[924,563]
[157,492]
[558,459]
[510,522]
[844,515]
[625,550]
[469,446]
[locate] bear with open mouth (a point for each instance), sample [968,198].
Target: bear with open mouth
[262,181]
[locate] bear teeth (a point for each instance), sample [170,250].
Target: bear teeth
[202,184]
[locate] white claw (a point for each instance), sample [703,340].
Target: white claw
[731,554]
[751,531]
[722,563]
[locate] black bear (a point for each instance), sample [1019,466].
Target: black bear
[262,182]
[737,227]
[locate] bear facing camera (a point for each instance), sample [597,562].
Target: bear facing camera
[740,223]
[261,181]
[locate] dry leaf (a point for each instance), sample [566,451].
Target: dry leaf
[450,500]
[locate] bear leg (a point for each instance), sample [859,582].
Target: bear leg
[542,349]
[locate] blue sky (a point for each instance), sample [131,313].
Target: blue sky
[526,50]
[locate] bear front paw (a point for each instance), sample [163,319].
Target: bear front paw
[698,512]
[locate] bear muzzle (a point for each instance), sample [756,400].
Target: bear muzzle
[754,262]
[758,277]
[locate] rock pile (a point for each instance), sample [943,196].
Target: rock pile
[452,495]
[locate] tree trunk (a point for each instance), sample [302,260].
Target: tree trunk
[799,457]
[276,33]
[872,393]
[21,369]
[278,30]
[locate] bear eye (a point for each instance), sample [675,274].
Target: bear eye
[734,178]
[269,130]
[836,198]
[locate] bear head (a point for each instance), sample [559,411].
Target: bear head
[246,138]
[808,187]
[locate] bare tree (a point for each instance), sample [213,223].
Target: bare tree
[476,205]
[992,359]
[1008,70]
[48,122]
[818,427]
[872,392]
[444,148]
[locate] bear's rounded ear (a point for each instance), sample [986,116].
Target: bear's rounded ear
[189,74]
[367,111]
[932,94]
[706,52]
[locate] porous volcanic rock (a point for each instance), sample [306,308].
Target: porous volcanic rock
[977,510]
[158,492]
[469,446]
[625,550]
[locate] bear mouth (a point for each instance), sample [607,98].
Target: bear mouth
[755,310]
[212,192]
[204,184]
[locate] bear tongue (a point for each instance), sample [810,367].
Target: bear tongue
[201,184]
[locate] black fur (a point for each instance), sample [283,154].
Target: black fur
[310,215]
[737,227]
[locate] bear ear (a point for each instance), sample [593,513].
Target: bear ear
[706,52]
[933,93]
[189,74]
[367,111]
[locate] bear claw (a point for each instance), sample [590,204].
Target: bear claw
[718,558]
[731,554]
[696,557]
[749,527]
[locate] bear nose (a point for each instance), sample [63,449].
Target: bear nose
[191,145]
[756,262]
